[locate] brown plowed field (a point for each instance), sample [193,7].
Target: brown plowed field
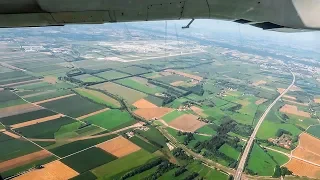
[187,122]
[50,79]
[142,103]
[11,134]
[198,110]
[295,88]
[306,155]
[26,159]
[94,113]
[309,143]
[23,82]
[119,146]
[289,97]
[19,109]
[151,113]
[53,99]
[280,90]
[317,100]
[261,82]
[55,170]
[301,168]
[260,101]
[36,121]
[185,74]
[290,109]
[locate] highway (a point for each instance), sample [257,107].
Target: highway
[246,151]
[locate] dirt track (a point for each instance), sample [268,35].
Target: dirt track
[53,99]
[36,121]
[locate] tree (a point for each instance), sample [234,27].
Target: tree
[1,178]
[277,172]
[285,171]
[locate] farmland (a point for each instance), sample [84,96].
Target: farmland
[99,97]
[135,102]
[110,119]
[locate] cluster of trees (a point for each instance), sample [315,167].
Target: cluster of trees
[235,108]
[164,167]
[187,137]
[197,89]
[281,171]
[180,171]
[192,176]
[280,132]
[143,168]
[180,154]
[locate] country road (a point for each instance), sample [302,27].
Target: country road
[247,149]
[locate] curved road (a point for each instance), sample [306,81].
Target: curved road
[246,151]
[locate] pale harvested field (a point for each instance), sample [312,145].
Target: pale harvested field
[142,103]
[39,93]
[301,168]
[280,90]
[317,100]
[36,121]
[198,110]
[260,101]
[258,83]
[295,88]
[128,94]
[91,114]
[309,143]
[101,96]
[23,82]
[50,79]
[151,113]
[185,74]
[306,155]
[295,102]
[289,109]
[53,99]
[11,134]
[176,83]
[289,97]
[22,160]
[19,109]
[187,122]
[55,170]
[119,146]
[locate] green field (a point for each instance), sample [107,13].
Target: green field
[19,118]
[134,70]
[110,75]
[16,80]
[149,89]
[154,100]
[143,144]
[268,129]
[11,148]
[92,157]
[99,97]
[206,130]
[45,130]
[110,119]
[88,78]
[206,172]
[85,176]
[171,78]
[13,74]
[115,169]
[73,147]
[260,162]
[129,95]
[74,106]
[67,131]
[172,115]
[7,95]
[153,135]
[229,151]
[280,159]
[49,95]
[314,130]
[12,103]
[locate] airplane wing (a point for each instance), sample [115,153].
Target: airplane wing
[266,14]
